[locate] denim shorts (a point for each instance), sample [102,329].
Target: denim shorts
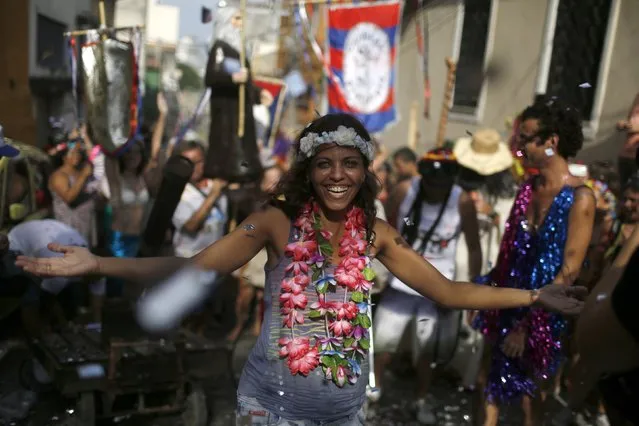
[250,413]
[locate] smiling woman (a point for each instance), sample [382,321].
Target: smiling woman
[321,234]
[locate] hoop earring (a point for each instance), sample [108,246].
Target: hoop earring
[549,152]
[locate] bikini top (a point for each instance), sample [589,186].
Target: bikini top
[131,198]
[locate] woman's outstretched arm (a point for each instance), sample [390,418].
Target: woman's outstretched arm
[404,263]
[224,256]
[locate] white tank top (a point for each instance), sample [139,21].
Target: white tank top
[441,250]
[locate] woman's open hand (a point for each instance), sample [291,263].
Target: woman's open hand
[76,262]
[564,299]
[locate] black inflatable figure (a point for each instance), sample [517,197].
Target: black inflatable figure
[230,157]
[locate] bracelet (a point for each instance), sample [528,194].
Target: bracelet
[534,296]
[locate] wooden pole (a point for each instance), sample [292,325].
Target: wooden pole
[242,88]
[448,95]
[76,33]
[412,126]
[102,13]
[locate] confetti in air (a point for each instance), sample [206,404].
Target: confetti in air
[585,85]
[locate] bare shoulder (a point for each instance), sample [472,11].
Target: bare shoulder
[584,198]
[385,235]
[267,219]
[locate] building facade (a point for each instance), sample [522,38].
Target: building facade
[507,51]
[35,62]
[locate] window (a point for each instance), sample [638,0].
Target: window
[577,49]
[50,47]
[472,55]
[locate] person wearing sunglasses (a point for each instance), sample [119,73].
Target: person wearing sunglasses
[433,213]
[545,242]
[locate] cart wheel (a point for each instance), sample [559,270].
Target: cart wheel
[196,412]
[85,409]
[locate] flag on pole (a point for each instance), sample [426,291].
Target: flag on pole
[277,89]
[207,15]
[363,44]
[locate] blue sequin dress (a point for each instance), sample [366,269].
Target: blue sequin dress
[528,260]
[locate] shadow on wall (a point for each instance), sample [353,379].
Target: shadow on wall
[607,148]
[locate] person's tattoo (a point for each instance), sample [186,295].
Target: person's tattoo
[402,242]
[249,228]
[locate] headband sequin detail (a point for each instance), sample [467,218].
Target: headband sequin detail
[343,136]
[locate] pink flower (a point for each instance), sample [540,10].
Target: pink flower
[358,263]
[341,327]
[348,278]
[350,246]
[292,317]
[341,376]
[293,301]
[304,221]
[305,364]
[296,284]
[295,348]
[356,217]
[322,306]
[301,250]
[327,235]
[328,373]
[362,285]
[297,267]
[346,310]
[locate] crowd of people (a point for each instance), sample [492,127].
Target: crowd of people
[533,239]
[356,256]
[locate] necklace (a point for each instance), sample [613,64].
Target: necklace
[345,341]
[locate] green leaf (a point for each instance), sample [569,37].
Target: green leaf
[357,297]
[314,314]
[322,289]
[317,224]
[364,320]
[365,344]
[327,249]
[317,273]
[348,342]
[342,362]
[328,361]
[368,273]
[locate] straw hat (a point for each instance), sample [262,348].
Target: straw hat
[484,152]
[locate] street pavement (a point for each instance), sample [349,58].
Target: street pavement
[453,405]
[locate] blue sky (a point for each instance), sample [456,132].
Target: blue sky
[190,24]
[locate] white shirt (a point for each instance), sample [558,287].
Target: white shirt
[186,244]
[441,250]
[31,239]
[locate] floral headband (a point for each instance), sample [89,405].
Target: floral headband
[343,136]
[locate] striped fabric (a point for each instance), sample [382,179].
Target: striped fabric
[362,58]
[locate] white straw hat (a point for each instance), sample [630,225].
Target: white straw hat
[484,152]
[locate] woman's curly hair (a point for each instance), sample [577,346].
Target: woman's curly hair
[294,190]
[557,118]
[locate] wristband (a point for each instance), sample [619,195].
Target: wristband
[534,296]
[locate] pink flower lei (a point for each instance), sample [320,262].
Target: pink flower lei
[345,343]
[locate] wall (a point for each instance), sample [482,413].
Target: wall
[163,25]
[513,51]
[16,114]
[621,83]
[515,45]
[63,11]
